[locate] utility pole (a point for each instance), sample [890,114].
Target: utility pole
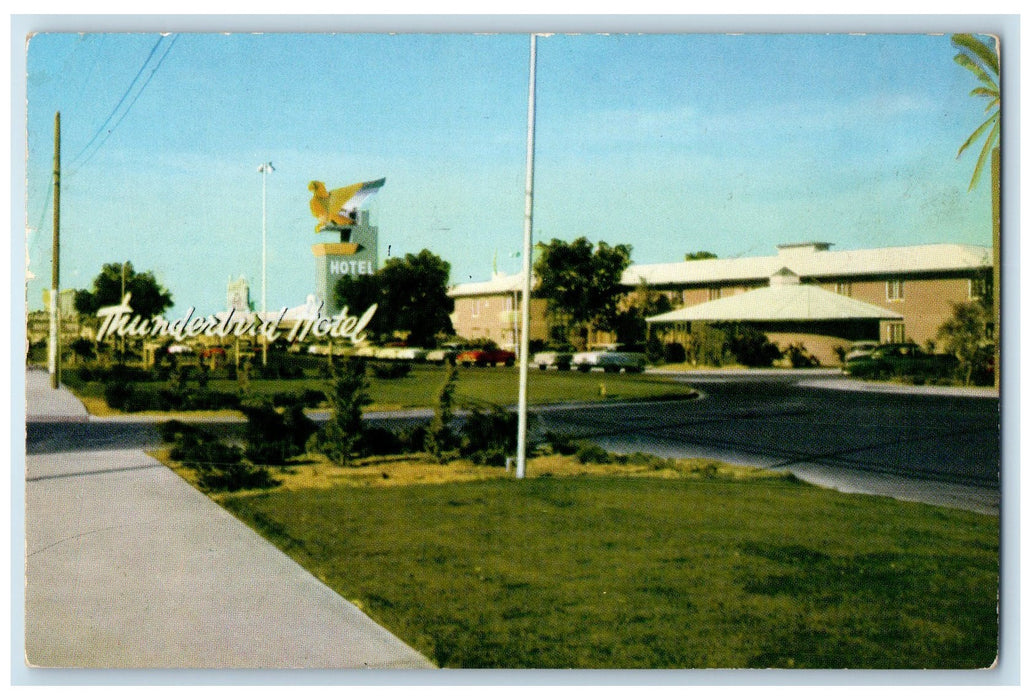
[524,338]
[55,266]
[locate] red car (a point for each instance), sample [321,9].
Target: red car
[484,358]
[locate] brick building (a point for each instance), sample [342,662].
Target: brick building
[916,287]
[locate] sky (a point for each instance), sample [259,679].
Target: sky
[670,143]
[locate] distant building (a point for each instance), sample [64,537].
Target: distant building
[238,295]
[491,310]
[911,290]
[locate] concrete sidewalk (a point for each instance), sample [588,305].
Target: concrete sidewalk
[128,566]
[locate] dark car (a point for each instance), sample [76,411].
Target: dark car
[900,359]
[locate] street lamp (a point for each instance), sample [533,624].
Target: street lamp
[264,169]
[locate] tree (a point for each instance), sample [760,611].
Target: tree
[965,335]
[983,61]
[343,431]
[700,255]
[149,298]
[630,325]
[582,282]
[412,297]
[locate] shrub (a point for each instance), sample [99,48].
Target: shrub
[380,441]
[561,444]
[752,348]
[489,437]
[219,466]
[117,393]
[800,357]
[674,353]
[708,345]
[339,437]
[440,439]
[589,453]
[274,437]
[391,370]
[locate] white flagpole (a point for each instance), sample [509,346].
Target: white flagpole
[524,338]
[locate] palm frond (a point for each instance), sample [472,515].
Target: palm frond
[977,132]
[993,103]
[972,66]
[984,92]
[988,55]
[989,143]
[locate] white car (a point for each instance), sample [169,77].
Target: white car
[609,360]
[863,348]
[550,358]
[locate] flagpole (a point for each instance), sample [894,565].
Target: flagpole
[524,338]
[264,169]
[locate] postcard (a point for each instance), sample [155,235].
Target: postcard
[580,351]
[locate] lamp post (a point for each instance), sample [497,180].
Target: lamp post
[264,169]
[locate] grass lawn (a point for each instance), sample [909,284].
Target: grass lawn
[498,385]
[593,568]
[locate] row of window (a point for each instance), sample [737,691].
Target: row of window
[894,290]
[479,305]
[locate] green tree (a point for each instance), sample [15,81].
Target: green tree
[582,282]
[965,335]
[982,59]
[630,325]
[149,298]
[412,297]
[699,255]
[343,431]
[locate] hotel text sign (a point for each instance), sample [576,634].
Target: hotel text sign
[121,321]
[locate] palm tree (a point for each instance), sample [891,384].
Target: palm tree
[982,60]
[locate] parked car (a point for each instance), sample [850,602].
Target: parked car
[863,348]
[552,358]
[446,353]
[900,359]
[486,357]
[611,359]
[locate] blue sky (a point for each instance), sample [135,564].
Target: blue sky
[675,143]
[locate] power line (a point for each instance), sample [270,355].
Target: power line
[121,100]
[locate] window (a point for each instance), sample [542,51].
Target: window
[895,290]
[843,288]
[896,333]
[715,293]
[476,307]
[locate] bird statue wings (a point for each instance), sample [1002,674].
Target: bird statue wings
[335,208]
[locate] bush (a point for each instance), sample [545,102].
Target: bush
[589,453]
[674,353]
[752,348]
[380,441]
[800,357]
[487,438]
[219,466]
[561,444]
[342,433]
[440,439]
[117,393]
[708,345]
[274,437]
[391,370]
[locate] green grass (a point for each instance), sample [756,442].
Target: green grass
[475,385]
[617,572]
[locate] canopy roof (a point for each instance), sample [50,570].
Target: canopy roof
[792,302]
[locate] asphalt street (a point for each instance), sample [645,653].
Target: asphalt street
[936,447]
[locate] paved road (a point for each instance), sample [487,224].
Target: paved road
[921,444]
[937,448]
